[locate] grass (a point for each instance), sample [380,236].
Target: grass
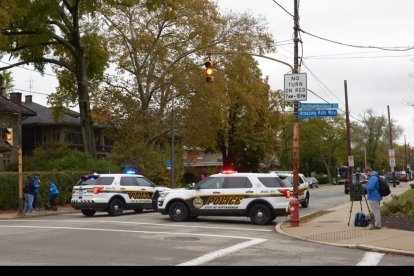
[402,205]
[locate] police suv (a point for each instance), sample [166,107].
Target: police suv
[114,193]
[260,196]
[303,188]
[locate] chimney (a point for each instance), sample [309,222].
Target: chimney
[28,99]
[16,97]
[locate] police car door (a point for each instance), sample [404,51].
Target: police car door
[225,195]
[148,192]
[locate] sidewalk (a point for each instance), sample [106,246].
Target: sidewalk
[41,212]
[331,227]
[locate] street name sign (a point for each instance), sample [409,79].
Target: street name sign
[318,106]
[317,113]
[296,87]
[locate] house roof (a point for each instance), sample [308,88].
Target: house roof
[45,116]
[7,106]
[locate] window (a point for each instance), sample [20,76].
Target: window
[274,182]
[74,138]
[128,181]
[144,182]
[100,181]
[211,183]
[236,182]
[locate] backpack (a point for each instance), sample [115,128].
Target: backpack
[384,189]
[360,220]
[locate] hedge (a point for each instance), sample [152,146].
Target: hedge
[63,180]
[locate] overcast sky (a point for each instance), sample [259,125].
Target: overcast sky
[375,78]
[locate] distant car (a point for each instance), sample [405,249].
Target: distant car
[304,195]
[114,193]
[362,179]
[388,177]
[312,181]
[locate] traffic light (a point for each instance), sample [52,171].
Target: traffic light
[8,136]
[209,71]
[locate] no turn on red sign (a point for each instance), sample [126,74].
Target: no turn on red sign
[295,87]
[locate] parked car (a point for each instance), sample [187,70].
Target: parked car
[114,193]
[304,195]
[260,196]
[388,177]
[362,179]
[312,181]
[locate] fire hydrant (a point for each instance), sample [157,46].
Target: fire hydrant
[294,211]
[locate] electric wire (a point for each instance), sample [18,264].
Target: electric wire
[48,74]
[396,49]
[282,8]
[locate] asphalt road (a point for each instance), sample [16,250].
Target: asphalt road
[151,239]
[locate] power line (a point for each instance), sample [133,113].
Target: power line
[29,69]
[396,49]
[282,8]
[362,57]
[40,93]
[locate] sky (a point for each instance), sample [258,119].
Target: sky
[375,78]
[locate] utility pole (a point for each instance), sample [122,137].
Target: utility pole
[391,148]
[405,155]
[20,160]
[294,220]
[348,145]
[172,144]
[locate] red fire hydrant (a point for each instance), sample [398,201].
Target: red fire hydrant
[294,211]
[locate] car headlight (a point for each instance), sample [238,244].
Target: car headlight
[163,194]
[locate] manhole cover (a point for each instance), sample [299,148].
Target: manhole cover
[181,239]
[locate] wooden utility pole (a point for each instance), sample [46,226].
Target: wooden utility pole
[348,144]
[391,147]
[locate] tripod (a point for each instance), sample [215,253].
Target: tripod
[358,193]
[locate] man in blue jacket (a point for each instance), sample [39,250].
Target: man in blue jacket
[52,192]
[374,197]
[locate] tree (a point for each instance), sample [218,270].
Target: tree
[8,85]
[59,33]
[159,56]
[373,135]
[322,142]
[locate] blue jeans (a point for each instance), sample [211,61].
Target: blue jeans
[35,200]
[28,202]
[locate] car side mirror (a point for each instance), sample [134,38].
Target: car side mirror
[191,186]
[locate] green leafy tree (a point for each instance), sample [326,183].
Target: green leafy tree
[159,56]
[7,79]
[58,33]
[322,142]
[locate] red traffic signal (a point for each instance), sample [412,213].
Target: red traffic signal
[209,71]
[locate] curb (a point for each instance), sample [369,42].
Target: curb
[278,229]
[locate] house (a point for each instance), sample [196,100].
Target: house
[10,114]
[43,131]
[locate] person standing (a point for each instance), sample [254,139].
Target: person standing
[36,182]
[28,191]
[52,192]
[374,197]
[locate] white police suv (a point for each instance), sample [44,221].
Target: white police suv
[303,188]
[114,193]
[260,196]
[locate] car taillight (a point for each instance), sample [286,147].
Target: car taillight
[285,192]
[96,190]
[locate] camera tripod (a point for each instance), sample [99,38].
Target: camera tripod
[358,193]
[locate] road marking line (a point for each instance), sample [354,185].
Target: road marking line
[371,259]
[220,253]
[126,231]
[148,223]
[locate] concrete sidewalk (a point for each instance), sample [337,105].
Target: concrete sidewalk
[331,227]
[41,212]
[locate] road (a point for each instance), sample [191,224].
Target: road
[151,239]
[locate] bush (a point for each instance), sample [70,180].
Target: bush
[402,204]
[323,180]
[9,197]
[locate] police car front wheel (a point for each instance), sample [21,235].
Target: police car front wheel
[178,211]
[88,212]
[260,214]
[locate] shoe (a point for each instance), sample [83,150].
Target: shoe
[374,227]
